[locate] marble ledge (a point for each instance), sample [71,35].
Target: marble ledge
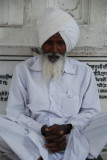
[31,51]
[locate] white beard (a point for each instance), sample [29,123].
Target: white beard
[52,70]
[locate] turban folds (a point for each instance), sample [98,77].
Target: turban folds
[56,20]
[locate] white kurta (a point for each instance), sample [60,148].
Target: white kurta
[73,98]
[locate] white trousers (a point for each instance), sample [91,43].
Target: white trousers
[20,145]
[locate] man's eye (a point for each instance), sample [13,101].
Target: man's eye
[48,43]
[60,43]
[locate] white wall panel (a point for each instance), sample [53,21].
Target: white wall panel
[105,23]
[4,12]
[11,12]
[15,12]
[79,9]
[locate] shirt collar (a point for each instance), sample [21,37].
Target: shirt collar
[37,64]
[69,66]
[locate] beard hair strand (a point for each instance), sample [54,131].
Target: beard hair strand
[52,70]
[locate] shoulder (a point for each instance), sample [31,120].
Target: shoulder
[82,72]
[25,65]
[79,66]
[23,69]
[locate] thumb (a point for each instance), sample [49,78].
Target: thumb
[46,129]
[61,132]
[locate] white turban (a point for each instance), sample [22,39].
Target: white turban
[56,20]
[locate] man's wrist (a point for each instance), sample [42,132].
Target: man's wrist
[43,130]
[69,127]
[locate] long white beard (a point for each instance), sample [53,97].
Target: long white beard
[52,70]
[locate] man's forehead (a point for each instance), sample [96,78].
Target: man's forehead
[56,36]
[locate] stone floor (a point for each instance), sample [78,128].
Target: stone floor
[4,157]
[104,155]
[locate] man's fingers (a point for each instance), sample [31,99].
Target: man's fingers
[58,144]
[52,128]
[52,138]
[40,158]
[56,139]
[61,139]
[46,129]
[50,145]
[60,147]
[56,129]
[61,132]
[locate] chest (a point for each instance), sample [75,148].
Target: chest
[63,94]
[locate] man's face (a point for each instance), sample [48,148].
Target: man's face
[54,47]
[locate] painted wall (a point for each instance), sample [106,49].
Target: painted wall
[18,34]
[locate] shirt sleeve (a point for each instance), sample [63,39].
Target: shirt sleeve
[17,103]
[90,104]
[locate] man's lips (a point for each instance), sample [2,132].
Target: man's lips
[53,58]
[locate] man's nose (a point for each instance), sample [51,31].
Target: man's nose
[54,48]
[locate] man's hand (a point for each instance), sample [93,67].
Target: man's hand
[44,130]
[40,158]
[56,143]
[55,136]
[58,129]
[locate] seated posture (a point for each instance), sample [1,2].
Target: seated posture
[53,110]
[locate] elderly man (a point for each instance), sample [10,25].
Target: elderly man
[53,102]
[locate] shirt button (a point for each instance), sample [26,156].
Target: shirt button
[69,95]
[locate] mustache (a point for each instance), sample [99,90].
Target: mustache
[53,54]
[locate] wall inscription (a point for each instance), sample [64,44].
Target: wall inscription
[4,81]
[100,72]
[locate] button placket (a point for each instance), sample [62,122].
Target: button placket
[69,93]
[52,91]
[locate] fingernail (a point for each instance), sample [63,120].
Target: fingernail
[46,129]
[61,132]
